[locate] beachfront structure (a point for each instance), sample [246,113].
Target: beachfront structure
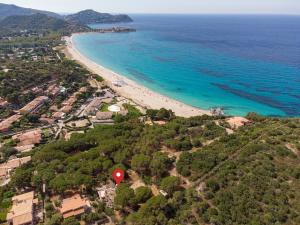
[7,123]
[23,209]
[114,108]
[34,105]
[74,206]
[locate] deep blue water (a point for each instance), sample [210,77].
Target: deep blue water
[242,63]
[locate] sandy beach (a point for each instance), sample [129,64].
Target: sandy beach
[138,93]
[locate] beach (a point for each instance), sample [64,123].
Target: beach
[130,89]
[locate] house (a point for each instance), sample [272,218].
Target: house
[23,209]
[53,90]
[83,89]
[7,123]
[34,105]
[28,138]
[74,206]
[70,101]
[58,115]
[3,102]
[3,174]
[93,107]
[24,148]
[104,115]
[66,109]
[12,164]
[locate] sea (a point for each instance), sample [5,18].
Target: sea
[241,63]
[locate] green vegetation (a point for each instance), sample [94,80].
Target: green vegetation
[210,177]
[92,17]
[16,85]
[10,10]
[40,23]
[249,177]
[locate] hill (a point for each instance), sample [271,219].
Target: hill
[38,23]
[251,176]
[12,10]
[91,16]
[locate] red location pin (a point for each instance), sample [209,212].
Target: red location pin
[118,175]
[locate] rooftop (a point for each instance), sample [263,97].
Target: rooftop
[29,138]
[6,124]
[31,106]
[22,209]
[72,206]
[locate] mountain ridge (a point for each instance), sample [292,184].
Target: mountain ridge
[38,22]
[90,16]
[14,10]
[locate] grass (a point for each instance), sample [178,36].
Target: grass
[104,107]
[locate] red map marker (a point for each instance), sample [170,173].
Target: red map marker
[118,175]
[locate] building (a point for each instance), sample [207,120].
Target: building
[34,105]
[24,148]
[4,175]
[93,107]
[3,102]
[70,100]
[104,115]
[74,206]
[6,168]
[53,90]
[23,210]
[7,123]
[58,115]
[28,138]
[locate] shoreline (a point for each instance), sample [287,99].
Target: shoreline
[139,94]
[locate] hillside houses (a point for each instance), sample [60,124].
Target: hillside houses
[27,140]
[34,105]
[7,123]
[6,168]
[74,206]
[24,210]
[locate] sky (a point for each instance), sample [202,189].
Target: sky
[166,6]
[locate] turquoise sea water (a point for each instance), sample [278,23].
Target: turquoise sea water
[240,63]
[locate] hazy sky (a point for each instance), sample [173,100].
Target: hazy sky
[165,6]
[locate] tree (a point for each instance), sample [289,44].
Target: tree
[160,164]
[140,163]
[124,197]
[142,194]
[170,184]
[70,221]
[56,219]
[152,212]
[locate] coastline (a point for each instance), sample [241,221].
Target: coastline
[138,93]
